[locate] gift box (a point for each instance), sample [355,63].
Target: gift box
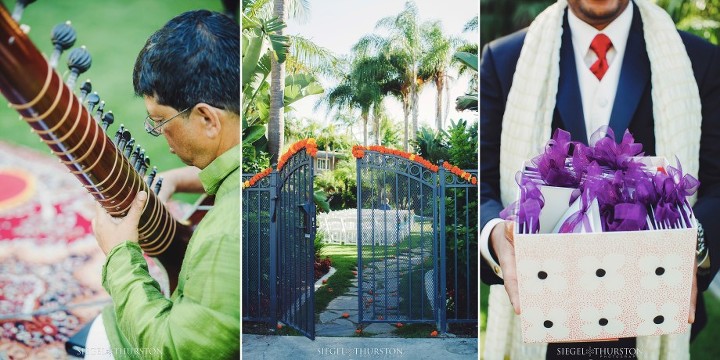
[591,283]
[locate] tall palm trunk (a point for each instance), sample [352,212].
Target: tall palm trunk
[377,113]
[414,103]
[406,117]
[439,82]
[376,128]
[365,115]
[276,123]
[447,100]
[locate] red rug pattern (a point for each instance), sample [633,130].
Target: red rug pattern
[50,263]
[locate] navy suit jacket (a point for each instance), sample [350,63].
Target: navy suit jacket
[632,110]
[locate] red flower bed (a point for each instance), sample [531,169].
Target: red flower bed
[322,266]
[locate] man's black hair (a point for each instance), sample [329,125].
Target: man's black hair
[194,58]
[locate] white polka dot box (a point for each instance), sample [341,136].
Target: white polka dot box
[602,285]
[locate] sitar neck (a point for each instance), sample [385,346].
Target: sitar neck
[59,118]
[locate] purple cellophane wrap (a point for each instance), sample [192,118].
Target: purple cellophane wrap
[626,190]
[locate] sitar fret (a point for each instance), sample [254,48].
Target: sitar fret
[66,126]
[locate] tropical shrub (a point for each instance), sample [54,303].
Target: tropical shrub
[340,185]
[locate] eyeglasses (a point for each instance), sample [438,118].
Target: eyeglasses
[155,130]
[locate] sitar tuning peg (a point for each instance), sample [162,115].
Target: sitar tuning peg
[144,166]
[92,100]
[20,6]
[128,148]
[99,112]
[79,61]
[118,135]
[140,160]
[85,89]
[134,156]
[63,37]
[151,176]
[107,120]
[158,185]
[124,138]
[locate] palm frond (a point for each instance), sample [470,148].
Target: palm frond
[471,25]
[314,58]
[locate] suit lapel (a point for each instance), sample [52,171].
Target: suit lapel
[569,101]
[634,78]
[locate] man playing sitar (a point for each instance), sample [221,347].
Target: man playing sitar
[188,74]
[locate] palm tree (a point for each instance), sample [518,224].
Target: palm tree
[345,96]
[377,78]
[393,72]
[307,57]
[466,62]
[472,48]
[434,65]
[276,124]
[405,38]
[389,132]
[363,87]
[468,101]
[300,55]
[402,49]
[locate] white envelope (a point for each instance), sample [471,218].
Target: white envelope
[557,201]
[593,214]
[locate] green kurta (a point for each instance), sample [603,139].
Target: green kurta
[201,320]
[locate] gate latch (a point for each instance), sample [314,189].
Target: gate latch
[305,208]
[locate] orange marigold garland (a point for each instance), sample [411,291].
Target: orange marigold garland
[253,180]
[309,145]
[460,173]
[358,151]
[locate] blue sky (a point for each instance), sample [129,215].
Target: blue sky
[338,24]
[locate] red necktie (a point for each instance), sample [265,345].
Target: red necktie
[600,45]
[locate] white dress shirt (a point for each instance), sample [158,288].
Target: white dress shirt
[598,96]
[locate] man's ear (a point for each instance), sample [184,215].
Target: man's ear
[210,118]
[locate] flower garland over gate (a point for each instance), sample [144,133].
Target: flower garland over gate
[358,151]
[310,147]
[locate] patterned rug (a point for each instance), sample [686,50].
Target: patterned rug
[50,263]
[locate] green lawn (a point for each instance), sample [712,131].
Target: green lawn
[113,32]
[704,347]
[344,260]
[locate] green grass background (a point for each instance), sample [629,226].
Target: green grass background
[113,31]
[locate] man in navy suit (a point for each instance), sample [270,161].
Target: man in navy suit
[580,114]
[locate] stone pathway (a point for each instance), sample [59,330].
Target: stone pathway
[332,322]
[386,300]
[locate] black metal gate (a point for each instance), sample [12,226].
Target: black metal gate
[417,241]
[296,248]
[278,246]
[397,240]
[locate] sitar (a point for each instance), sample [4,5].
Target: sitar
[110,173]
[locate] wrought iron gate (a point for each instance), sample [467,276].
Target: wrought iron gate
[278,246]
[408,217]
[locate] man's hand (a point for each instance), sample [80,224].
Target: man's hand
[185,180]
[111,232]
[501,239]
